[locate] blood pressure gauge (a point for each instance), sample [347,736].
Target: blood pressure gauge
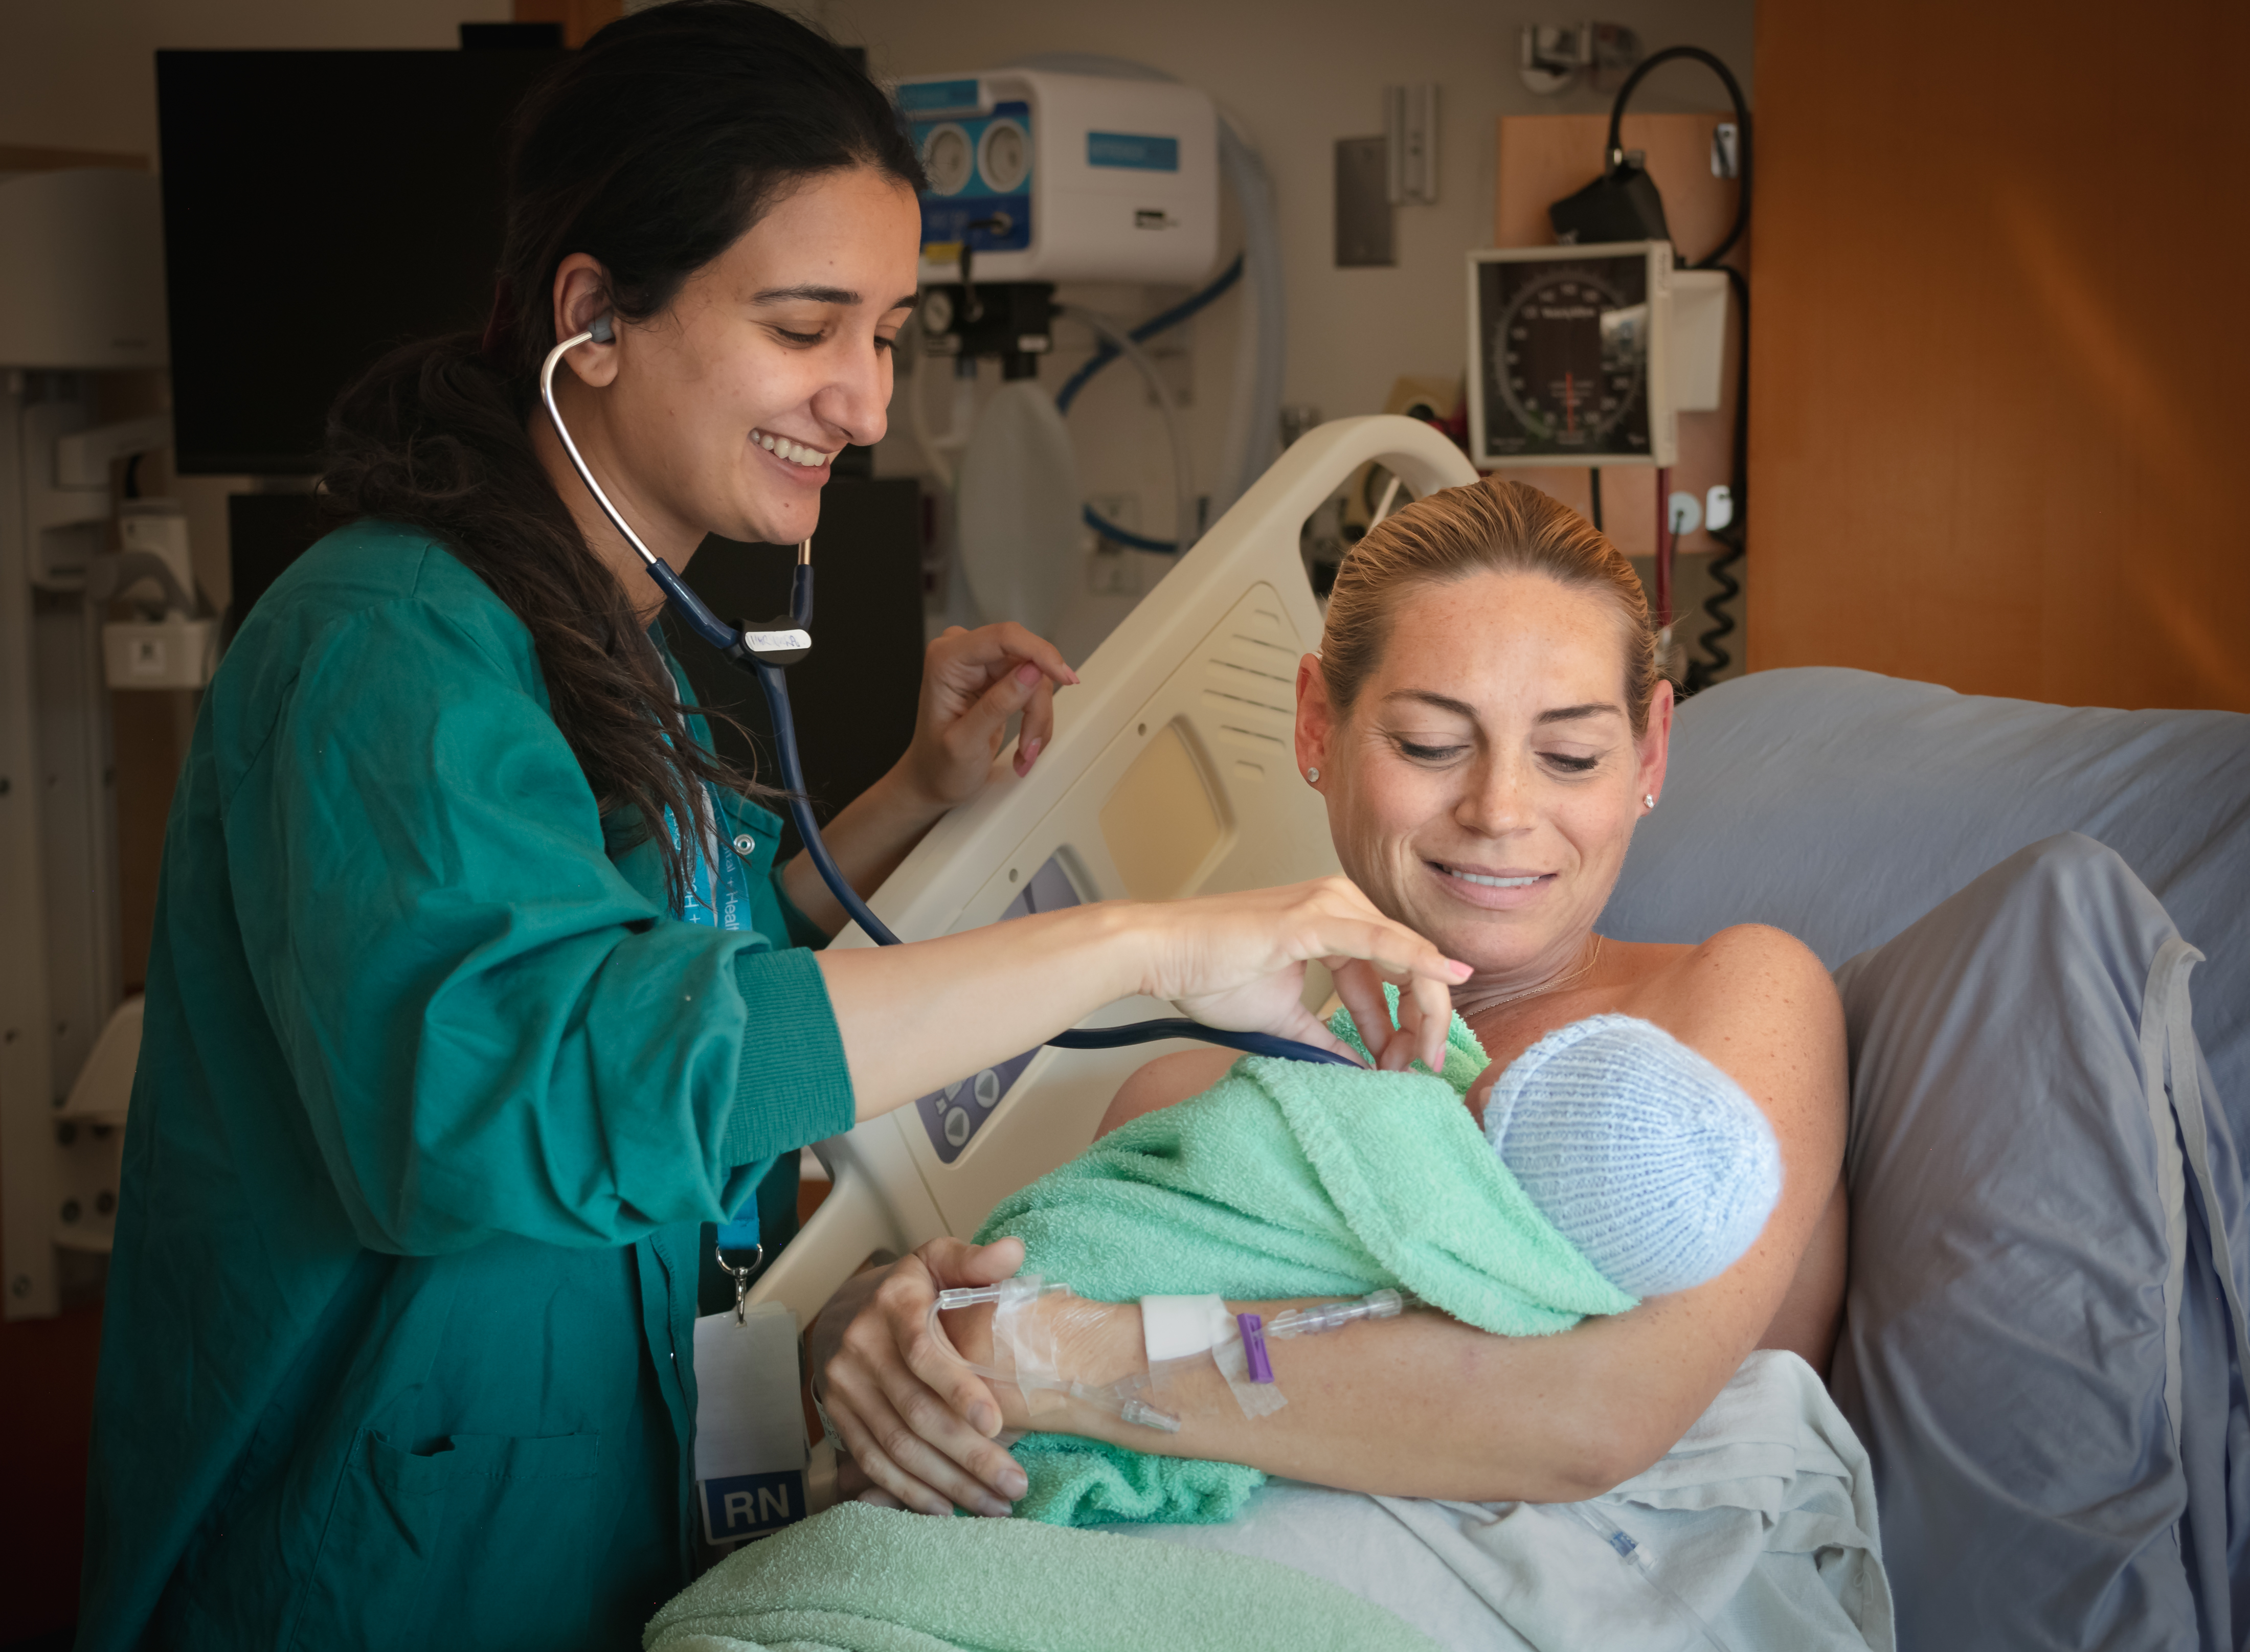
[1568,355]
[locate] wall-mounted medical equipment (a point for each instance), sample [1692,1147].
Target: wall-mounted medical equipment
[1042,177]
[1075,168]
[1588,355]
[1170,773]
[81,293]
[1036,177]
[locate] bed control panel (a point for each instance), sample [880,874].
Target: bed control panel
[953,1115]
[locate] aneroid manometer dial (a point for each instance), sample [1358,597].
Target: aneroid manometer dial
[1563,339]
[1565,357]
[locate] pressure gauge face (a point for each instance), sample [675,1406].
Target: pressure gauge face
[1564,343]
[949,160]
[1002,159]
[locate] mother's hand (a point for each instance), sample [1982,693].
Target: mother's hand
[972,683]
[916,1421]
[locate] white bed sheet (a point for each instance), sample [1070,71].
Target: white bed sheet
[1762,1521]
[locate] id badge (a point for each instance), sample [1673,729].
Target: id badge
[751,1449]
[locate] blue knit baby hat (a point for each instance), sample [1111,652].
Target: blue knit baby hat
[1648,1158]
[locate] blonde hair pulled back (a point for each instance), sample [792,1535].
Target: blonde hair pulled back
[1490,527]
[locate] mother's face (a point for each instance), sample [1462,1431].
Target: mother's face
[1486,784]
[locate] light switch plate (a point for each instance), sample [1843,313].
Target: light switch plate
[1362,204]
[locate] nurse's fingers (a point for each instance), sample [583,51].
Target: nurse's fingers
[989,646]
[984,725]
[1037,729]
[1425,1011]
[1426,1014]
[1361,989]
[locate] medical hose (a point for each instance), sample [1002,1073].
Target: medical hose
[1183,521]
[1113,346]
[1733,538]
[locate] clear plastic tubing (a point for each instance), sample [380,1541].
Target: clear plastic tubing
[1334,1316]
[1620,1542]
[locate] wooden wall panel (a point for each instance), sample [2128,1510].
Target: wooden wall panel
[1998,358]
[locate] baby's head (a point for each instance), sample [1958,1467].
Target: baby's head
[1649,1159]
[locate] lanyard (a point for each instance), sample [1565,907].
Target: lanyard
[717,895]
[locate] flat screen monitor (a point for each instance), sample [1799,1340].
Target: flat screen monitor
[321,207]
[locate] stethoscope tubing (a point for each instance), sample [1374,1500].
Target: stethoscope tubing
[740,647]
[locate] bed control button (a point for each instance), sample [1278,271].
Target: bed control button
[957,1126]
[988,1088]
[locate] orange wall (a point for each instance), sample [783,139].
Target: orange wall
[2000,366]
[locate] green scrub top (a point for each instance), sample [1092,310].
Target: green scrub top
[434,1096]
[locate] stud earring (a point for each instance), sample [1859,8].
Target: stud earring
[1314,775]
[1648,800]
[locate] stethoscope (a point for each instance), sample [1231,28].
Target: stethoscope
[765,653]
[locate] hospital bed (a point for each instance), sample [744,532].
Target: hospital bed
[1171,772]
[1863,815]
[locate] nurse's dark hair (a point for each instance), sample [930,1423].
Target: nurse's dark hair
[1490,527]
[653,148]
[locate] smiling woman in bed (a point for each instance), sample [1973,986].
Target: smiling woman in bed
[1487,725]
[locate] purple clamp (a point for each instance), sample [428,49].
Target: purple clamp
[1253,1346]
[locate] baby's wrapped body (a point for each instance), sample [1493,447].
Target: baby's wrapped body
[1619,1165]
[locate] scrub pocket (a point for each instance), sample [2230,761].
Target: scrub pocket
[481,1543]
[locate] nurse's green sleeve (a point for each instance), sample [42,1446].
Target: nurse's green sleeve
[491,1029]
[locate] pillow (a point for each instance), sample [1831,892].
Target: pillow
[1840,806]
[2037,1349]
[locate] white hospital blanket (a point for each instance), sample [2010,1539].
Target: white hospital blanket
[1761,1521]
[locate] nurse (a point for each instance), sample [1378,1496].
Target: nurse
[475,993]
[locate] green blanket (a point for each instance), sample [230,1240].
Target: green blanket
[1287,1179]
[864,1579]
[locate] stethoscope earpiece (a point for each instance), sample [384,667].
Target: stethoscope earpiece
[604,331]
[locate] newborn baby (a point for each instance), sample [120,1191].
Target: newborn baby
[1615,1163]
[1650,1160]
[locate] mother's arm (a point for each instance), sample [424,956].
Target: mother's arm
[1424,1406]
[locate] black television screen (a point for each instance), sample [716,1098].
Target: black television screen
[321,207]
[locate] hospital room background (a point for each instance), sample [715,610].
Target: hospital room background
[1996,370]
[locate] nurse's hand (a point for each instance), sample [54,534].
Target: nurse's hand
[919,1424]
[1238,962]
[972,683]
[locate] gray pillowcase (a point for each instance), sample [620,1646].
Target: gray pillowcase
[2038,1350]
[1840,806]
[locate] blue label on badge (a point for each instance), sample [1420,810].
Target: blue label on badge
[752,1505]
[929,97]
[741,1234]
[1127,149]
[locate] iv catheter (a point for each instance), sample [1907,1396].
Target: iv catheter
[765,653]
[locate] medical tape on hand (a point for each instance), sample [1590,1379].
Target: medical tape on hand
[1180,1333]
[1026,1336]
